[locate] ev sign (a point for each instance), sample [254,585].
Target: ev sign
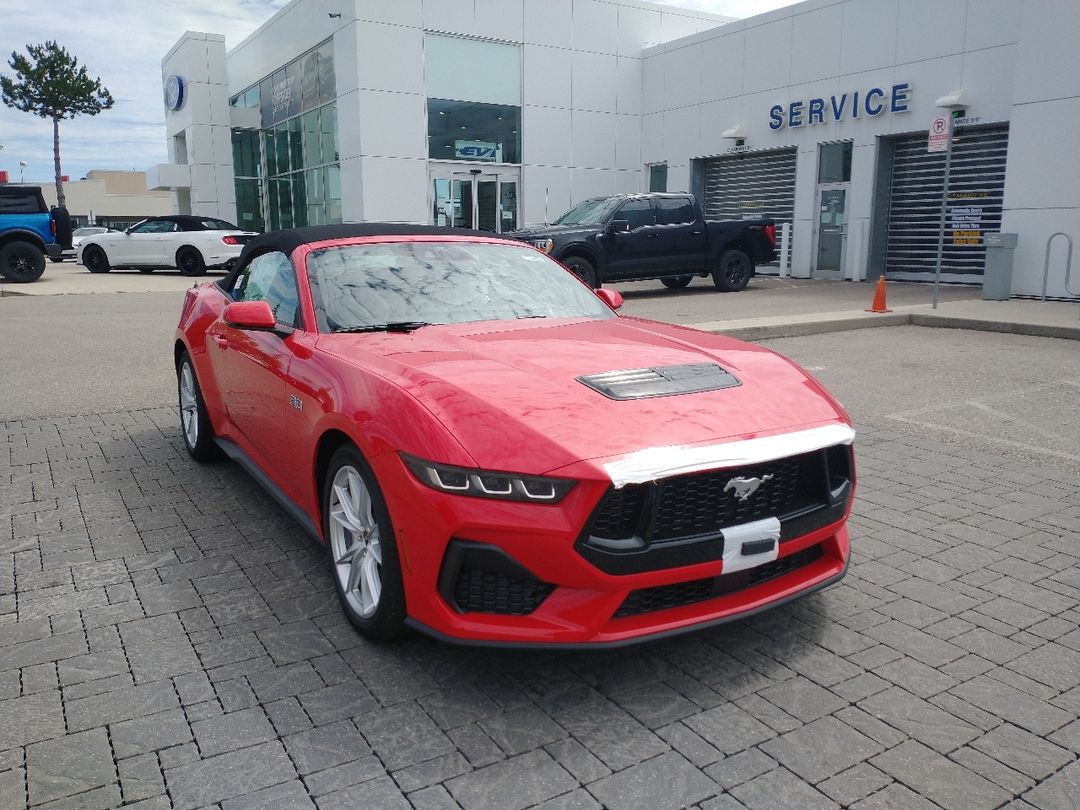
[477,150]
[938,140]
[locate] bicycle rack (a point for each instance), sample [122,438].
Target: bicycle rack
[1068,263]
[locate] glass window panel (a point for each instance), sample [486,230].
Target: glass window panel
[834,162]
[333,184]
[313,183]
[327,83]
[292,90]
[270,150]
[296,142]
[312,139]
[328,125]
[472,70]
[299,201]
[266,102]
[281,143]
[309,81]
[284,195]
[465,130]
[272,205]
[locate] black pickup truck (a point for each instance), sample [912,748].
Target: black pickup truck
[630,237]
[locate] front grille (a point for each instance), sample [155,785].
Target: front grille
[485,591]
[697,504]
[690,505]
[663,597]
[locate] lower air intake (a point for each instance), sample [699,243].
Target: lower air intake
[483,591]
[663,597]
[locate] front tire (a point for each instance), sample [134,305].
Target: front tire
[676,282]
[195,424]
[583,269]
[95,260]
[360,544]
[21,262]
[190,261]
[732,272]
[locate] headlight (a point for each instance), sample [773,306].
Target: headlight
[488,484]
[543,245]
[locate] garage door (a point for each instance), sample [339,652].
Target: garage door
[976,186]
[751,185]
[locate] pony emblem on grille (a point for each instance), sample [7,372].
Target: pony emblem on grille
[745,487]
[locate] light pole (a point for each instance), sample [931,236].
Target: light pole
[22,167]
[953,101]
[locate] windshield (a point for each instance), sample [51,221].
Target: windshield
[441,282]
[590,212]
[89,231]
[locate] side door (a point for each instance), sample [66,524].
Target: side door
[635,252]
[142,244]
[251,367]
[683,241]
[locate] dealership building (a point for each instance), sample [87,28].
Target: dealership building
[494,113]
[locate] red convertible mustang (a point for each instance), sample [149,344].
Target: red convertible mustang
[491,455]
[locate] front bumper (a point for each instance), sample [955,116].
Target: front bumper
[547,593]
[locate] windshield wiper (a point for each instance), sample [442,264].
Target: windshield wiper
[392,326]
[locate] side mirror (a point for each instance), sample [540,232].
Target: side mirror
[613,298]
[254,315]
[617,226]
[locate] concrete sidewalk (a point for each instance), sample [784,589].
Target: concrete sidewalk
[958,308]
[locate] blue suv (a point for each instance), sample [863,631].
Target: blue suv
[29,232]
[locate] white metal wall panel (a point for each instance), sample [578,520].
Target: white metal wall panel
[976,188]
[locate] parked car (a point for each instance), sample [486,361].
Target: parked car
[29,232]
[190,243]
[631,237]
[80,234]
[490,454]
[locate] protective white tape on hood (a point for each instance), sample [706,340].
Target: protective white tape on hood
[662,462]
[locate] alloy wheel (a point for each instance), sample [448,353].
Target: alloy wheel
[189,405]
[354,541]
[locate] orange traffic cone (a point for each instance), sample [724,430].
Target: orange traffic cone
[879,297]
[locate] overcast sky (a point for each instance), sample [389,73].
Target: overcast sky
[122,41]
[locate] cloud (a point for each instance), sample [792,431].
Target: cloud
[122,42]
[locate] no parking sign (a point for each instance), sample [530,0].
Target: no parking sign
[938,140]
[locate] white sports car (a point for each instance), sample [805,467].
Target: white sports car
[189,243]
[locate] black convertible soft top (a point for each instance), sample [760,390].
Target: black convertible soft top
[291,238]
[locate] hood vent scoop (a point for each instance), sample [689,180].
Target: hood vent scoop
[662,381]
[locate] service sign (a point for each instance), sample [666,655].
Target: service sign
[477,150]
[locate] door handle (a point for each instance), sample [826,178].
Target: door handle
[222,342]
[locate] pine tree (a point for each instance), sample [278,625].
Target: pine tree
[49,82]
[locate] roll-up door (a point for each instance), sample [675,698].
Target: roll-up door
[976,187]
[751,185]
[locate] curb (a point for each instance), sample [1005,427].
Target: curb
[755,331]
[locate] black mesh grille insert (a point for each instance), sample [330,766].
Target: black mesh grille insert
[697,504]
[649,600]
[492,592]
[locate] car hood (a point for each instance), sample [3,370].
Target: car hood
[509,393]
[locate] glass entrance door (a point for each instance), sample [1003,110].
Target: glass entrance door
[831,231]
[479,199]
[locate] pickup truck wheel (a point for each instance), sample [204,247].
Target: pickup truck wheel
[190,261]
[95,260]
[676,282]
[21,262]
[583,269]
[732,272]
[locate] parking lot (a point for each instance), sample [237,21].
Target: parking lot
[169,638]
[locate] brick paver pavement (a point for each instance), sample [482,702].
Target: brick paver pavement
[168,638]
